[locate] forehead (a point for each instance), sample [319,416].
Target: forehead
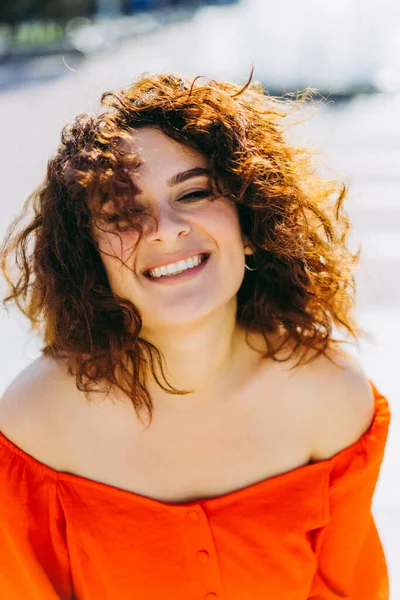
[160,153]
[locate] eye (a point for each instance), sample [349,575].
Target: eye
[116,222]
[199,194]
[111,219]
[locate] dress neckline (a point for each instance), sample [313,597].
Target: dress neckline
[374,432]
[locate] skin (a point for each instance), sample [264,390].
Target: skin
[193,323]
[247,419]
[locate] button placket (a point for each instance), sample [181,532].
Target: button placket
[193,515]
[203,556]
[201,553]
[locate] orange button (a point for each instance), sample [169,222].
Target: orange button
[192,514]
[203,556]
[211,596]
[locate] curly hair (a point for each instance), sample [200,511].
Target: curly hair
[293,216]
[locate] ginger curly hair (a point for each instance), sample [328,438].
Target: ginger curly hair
[293,216]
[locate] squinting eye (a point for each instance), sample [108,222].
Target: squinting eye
[196,195]
[115,221]
[112,219]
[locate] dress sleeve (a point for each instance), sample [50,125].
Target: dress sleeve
[34,562]
[351,562]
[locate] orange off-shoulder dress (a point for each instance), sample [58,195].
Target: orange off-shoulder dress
[307,534]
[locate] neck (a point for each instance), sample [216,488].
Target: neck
[199,356]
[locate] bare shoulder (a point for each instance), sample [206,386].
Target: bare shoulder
[340,400]
[36,406]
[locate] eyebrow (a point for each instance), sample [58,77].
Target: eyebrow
[185,175]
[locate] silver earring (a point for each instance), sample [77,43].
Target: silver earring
[248,268]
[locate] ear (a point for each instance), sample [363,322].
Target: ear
[248,248]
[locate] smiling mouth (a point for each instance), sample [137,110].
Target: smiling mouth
[204,258]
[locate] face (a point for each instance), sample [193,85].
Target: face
[173,183]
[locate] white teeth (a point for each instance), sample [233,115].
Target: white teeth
[171,269]
[175,268]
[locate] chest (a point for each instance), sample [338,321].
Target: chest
[185,457]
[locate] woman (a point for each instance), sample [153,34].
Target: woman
[193,429]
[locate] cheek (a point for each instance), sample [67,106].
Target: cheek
[118,247]
[117,253]
[222,217]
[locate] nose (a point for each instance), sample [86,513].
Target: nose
[166,225]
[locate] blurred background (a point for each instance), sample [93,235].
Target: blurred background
[58,56]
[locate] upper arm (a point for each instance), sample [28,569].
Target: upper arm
[32,413]
[343,405]
[33,551]
[350,558]
[20,401]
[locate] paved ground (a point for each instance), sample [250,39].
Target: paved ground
[360,140]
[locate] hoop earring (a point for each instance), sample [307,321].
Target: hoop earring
[248,268]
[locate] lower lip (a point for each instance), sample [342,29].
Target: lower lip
[181,277]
